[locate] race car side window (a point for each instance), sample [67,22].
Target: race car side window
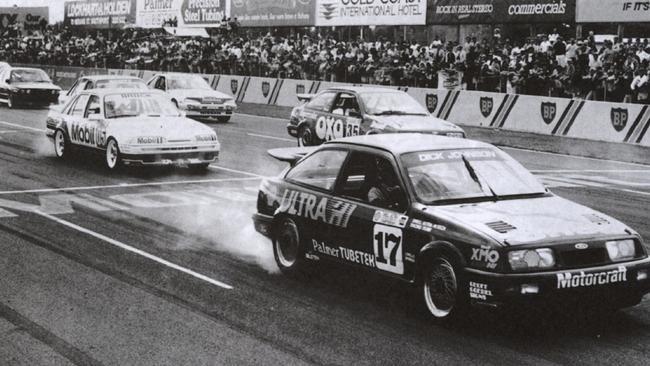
[319,170]
[345,105]
[322,102]
[80,106]
[93,106]
[152,82]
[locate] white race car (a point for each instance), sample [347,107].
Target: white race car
[133,127]
[102,82]
[193,95]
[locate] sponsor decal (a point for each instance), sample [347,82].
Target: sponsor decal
[150,140]
[431,102]
[309,206]
[486,255]
[479,291]
[300,88]
[202,12]
[581,246]
[582,279]
[548,109]
[234,85]
[426,226]
[266,87]
[486,104]
[350,255]
[387,243]
[457,155]
[619,118]
[534,8]
[329,128]
[390,218]
[87,135]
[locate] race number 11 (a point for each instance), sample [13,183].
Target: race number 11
[387,243]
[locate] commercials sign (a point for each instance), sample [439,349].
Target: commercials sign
[203,13]
[370,12]
[612,11]
[269,13]
[99,13]
[153,13]
[501,11]
[24,18]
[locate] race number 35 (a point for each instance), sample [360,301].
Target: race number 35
[388,248]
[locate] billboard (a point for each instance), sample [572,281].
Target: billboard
[370,12]
[612,11]
[99,13]
[153,13]
[501,11]
[203,13]
[270,13]
[24,18]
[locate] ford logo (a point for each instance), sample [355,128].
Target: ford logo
[581,246]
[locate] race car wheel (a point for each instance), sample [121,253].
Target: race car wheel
[60,144]
[305,137]
[223,119]
[112,154]
[287,247]
[441,289]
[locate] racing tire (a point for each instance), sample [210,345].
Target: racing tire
[223,119]
[441,290]
[61,145]
[112,159]
[305,136]
[199,168]
[288,249]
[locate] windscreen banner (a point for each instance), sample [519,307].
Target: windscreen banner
[99,13]
[612,11]
[371,12]
[24,18]
[153,13]
[271,13]
[203,13]
[500,11]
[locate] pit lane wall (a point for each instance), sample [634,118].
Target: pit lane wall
[599,121]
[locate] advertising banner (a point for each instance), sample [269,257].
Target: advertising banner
[99,13]
[501,11]
[371,12]
[153,13]
[24,18]
[203,13]
[270,13]
[612,11]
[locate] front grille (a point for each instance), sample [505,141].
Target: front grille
[213,101]
[500,226]
[584,257]
[178,156]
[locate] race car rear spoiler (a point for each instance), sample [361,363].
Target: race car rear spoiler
[291,155]
[305,97]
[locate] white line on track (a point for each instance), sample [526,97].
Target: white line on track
[135,250]
[270,137]
[590,171]
[236,171]
[123,185]
[574,156]
[23,127]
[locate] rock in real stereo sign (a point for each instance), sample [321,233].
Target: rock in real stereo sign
[500,11]
[612,11]
[370,12]
[99,13]
[266,13]
[153,13]
[203,13]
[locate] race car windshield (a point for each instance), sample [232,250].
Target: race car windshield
[468,174]
[138,104]
[187,82]
[121,84]
[391,103]
[29,75]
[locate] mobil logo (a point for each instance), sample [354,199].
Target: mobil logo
[486,104]
[619,118]
[548,111]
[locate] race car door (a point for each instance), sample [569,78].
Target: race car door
[346,114]
[75,123]
[375,235]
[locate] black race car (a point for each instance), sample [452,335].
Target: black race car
[27,86]
[460,218]
[350,111]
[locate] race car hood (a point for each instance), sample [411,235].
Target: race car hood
[35,86]
[180,94]
[171,128]
[415,123]
[525,221]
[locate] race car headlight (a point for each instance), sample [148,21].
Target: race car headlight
[531,259]
[144,140]
[206,138]
[621,249]
[456,134]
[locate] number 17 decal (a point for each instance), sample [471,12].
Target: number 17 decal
[387,243]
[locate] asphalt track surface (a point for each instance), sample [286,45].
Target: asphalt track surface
[162,267]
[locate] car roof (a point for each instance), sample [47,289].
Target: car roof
[23,68]
[401,143]
[103,92]
[175,74]
[110,77]
[362,89]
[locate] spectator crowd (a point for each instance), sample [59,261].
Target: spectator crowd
[545,65]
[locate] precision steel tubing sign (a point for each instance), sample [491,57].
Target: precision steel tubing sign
[269,13]
[612,11]
[203,13]
[371,12]
[99,13]
[500,11]
[153,13]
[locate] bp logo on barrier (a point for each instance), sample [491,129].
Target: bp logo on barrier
[266,86]
[549,109]
[486,106]
[300,88]
[619,118]
[234,85]
[432,102]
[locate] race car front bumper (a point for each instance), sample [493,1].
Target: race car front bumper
[263,224]
[292,129]
[619,284]
[175,155]
[208,110]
